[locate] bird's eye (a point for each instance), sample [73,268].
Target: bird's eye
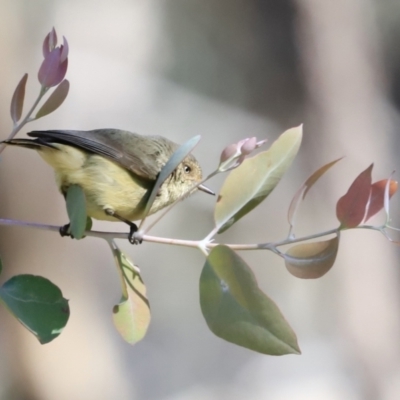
[187,169]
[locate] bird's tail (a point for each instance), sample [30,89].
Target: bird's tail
[34,144]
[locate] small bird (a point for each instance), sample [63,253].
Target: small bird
[116,170]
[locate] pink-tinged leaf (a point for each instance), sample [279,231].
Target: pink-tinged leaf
[305,187]
[17,101]
[55,100]
[311,260]
[64,50]
[52,71]
[376,201]
[351,208]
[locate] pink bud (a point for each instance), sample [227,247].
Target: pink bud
[53,39]
[261,142]
[64,50]
[50,42]
[248,146]
[240,160]
[52,71]
[55,63]
[228,152]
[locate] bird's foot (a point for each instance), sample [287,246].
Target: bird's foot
[133,239]
[65,231]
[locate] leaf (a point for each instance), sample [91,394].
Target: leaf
[55,100]
[386,197]
[176,158]
[17,101]
[76,209]
[376,201]
[350,208]
[132,315]
[236,310]
[311,260]
[38,304]
[250,183]
[305,187]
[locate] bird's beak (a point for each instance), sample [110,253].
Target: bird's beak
[205,189]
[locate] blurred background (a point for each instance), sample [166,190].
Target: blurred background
[225,70]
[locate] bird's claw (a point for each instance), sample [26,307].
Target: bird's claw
[65,231]
[134,237]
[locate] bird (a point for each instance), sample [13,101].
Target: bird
[116,170]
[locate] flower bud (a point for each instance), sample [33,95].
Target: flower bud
[228,152]
[248,146]
[55,63]
[234,154]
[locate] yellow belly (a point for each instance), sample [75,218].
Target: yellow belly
[106,184]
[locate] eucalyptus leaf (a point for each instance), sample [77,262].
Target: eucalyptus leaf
[305,187]
[236,310]
[176,158]
[132,315]
[55,100]
[250,183]
[17,101]
[38,304]
[351,207]
[311,260]
[76,208]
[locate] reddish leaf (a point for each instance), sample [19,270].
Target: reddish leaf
[350,208]
[376,201]
[17,101]
[55,100]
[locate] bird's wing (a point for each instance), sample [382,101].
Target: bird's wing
[144,156]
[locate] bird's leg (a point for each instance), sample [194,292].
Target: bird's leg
[133,227]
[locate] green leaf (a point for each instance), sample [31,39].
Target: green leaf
[17,101]
[311,260]
[176,158]
[250,183]
[132,315]
[38,304]
[236,310]
[55,100]
[76,208]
